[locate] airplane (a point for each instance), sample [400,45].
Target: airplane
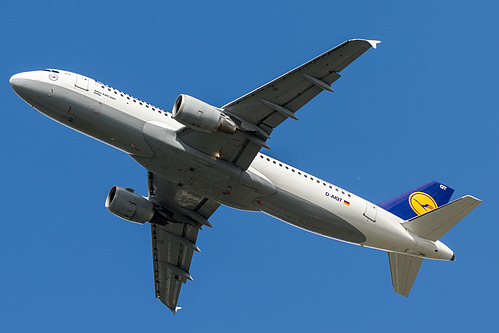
[200,156]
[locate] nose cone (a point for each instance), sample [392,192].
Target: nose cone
[17,82]
[28,85]
[22,83]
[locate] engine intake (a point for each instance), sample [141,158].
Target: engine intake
[201,116]
[132,207]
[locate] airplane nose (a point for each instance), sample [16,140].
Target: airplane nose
[26,85]
[17,82]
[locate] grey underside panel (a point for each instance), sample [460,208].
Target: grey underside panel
[235,148]
[291,91]
[172,258]
[404,270]
[305,214]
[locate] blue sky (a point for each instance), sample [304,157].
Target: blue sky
[422,107]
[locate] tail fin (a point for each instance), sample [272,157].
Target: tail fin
[419,200]
[432,226]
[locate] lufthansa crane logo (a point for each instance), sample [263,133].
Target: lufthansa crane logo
[421,202]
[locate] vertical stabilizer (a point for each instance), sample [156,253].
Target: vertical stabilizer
[404,270]
[419,200]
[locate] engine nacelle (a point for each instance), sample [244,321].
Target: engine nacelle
[132,207]
[201,116]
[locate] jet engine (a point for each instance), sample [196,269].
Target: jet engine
[128,205]
[201,116]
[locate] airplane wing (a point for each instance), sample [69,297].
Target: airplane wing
[260,111]
[174,244]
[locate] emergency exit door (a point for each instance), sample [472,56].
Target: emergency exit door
[371,211]
[82,82]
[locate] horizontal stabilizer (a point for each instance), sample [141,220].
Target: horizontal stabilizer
[435,223]
[404,270]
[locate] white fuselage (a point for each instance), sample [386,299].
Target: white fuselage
[149,135]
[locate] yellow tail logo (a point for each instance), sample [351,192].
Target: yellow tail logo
[421,202]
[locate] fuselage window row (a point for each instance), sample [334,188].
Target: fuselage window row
[153,108]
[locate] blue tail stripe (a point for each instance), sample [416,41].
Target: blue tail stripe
[437,193]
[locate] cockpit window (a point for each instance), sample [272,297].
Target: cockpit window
[51,70]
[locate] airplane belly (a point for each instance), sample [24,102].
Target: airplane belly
[309,216]
[206,175]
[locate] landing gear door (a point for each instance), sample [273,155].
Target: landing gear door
[81,82]
[371,211]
